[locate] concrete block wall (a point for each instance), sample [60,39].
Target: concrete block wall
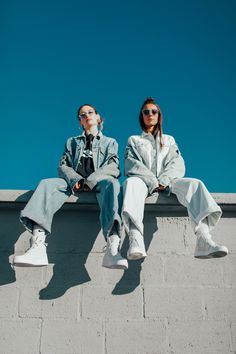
[170,303]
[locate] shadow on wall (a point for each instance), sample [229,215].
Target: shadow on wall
[73,235]
[131,277]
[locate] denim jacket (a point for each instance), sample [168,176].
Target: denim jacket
[105,159]
[155,165]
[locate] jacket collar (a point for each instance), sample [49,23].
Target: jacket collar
[149,136]
[83,135]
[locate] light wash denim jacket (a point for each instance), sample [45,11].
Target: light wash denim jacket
[105,159]
[145,159]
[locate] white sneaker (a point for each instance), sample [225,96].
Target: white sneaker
[35,256]
[206,248]
[136,246]
[112,258]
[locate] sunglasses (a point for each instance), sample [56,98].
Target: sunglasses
[86,114]
[147,112]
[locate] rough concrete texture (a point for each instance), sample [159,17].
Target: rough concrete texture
[170,303]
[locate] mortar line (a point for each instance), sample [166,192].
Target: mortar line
[143,298]
[80,311]
[105,336]
[40,336]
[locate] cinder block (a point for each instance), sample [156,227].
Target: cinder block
[224,233]
[68,270]
[229,267]
[22,243]
[220,303]
[198,337]
[68,336]
[136,337]
[33,276]
[147,271]
[168,238]
[9,302]
[98,302]
[71,234]
[20,336]
[66,306]
[11,230]
[94,268]
[119,276]
[187,270]
[233,336]
[152,271]
[173,303]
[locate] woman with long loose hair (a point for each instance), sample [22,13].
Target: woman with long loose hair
[153,164]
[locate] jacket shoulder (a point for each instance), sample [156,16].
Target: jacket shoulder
[108,140]
[168,139]
[134,139]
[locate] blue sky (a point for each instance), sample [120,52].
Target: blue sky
[56,55]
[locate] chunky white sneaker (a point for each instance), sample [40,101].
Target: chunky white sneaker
[35,256]
[136,246]
[112,258]
[206,248]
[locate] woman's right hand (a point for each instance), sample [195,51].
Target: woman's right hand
[77,187]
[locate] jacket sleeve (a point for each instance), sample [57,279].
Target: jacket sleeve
[109,168]
[134,166]
[65,168]
[173,166]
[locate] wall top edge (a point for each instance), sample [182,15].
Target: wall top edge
[22,196]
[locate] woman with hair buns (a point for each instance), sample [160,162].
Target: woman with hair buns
[153,164]
[90,162]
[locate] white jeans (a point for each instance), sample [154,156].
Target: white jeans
[190,192]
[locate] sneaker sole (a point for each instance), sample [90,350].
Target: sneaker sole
[28,265]
[135,256]
[124,267]
[216,254]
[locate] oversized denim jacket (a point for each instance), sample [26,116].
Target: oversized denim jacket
[139,160]
[105,159]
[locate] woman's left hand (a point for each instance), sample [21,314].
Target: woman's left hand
[161,187]
[86,188]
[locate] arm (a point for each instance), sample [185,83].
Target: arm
[173,166]
[134,166]
[66,171]
[109,168]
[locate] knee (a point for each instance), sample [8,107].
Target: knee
[197,183]
[112,184]
[133,181]
[52,182]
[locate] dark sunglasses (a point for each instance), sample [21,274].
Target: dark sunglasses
[147,112]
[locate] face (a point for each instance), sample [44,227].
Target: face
[150,115]
[88,117]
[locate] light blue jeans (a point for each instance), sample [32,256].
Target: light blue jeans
[51,194]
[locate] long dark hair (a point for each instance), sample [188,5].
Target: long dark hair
[100,124]
[158,128]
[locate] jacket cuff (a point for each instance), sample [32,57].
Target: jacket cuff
[164,181]
[74,181]
[90,184]
[152,187]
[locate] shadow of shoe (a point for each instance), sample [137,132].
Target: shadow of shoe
[68,271]
[68,248]
[131,277]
